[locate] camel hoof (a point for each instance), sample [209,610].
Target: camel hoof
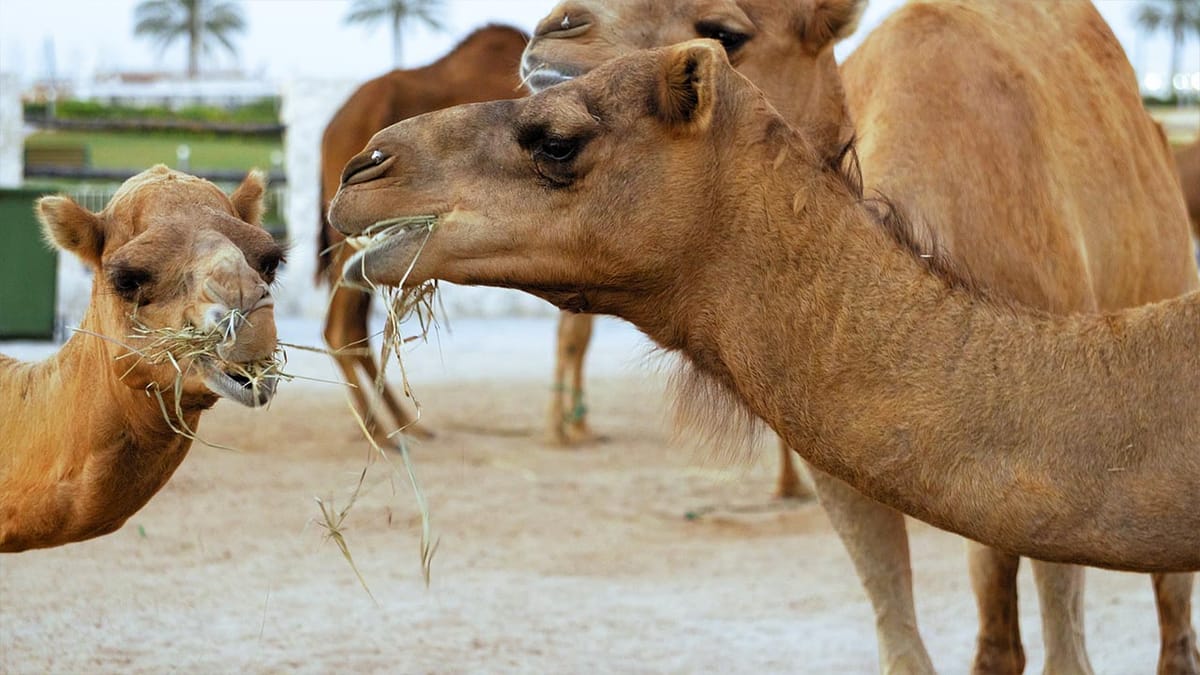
[584,436]
[1181,658]
[556,437]
[992,659]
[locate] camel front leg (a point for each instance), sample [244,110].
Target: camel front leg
[1178,654]
[998,649]
[401,416]
[346,335]
[1060,598]
[876,538]
[566,417]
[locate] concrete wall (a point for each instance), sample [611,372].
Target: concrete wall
[307,108]
[12,139]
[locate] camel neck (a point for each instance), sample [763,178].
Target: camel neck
[1047,436]
[83,449]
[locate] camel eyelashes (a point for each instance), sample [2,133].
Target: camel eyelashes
[730,39]
[127,282]
[269,264]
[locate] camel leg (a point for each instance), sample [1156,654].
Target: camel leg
[346,329]
[876,538]
[556,432]
[399,414]
[789,485]
[1178,654]
[580,336]
[566,418]
[1060,597]
[343,328]
[994,581]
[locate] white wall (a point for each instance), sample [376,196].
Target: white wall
[308,105]
[12,139]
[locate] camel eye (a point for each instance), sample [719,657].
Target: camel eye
[558,149]
[128,282]
[730,39]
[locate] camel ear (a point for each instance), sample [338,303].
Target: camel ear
[248,197]
[822,22]
[687,83]
[70,227]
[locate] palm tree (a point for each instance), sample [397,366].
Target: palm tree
[395,12]
[204,23]
[1178,17]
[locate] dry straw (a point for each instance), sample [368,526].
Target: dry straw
[192,345]
[400,304]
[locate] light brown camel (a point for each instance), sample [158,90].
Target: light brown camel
[483,67]
[1187,162]
[796,70]
[663,188]
[88,436]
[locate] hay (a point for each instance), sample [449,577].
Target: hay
[399,304]
[193,345]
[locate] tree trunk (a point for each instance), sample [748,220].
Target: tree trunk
[1176,40]
[194,40]
[397,50]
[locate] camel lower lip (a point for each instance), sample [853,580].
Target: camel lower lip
[236,388]
[384,260]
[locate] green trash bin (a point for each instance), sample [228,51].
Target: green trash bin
[28,274]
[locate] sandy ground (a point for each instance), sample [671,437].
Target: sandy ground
[549,560]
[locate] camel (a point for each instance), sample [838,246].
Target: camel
[88,436]
[482,67]
[1065,437]
[797,72]
[1187,163]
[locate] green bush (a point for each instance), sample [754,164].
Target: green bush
[262,111]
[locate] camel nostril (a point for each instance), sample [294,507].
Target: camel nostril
[365,167]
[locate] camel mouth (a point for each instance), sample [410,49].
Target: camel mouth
[238,384]
[539,76]
[387,251]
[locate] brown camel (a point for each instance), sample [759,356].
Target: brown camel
[89,436]
[483,67]
[1187,162]
[796,70]
[1067,438]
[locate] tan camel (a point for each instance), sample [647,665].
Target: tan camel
[796,67]
[483,67]
[1187,162]
[796,70]
[88,437]
[1067,438]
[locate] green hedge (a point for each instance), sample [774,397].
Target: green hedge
[262,111]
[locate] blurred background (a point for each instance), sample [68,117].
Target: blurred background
[92,92]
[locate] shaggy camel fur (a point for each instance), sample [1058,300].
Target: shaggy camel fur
[85,438]
[483,67]
[795,69]
[1066,438]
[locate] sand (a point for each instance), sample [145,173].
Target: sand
[549,560]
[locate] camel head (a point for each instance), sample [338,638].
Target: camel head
[617,180]
[174,256]
[783,46]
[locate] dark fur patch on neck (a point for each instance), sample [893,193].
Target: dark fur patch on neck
[892,219]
